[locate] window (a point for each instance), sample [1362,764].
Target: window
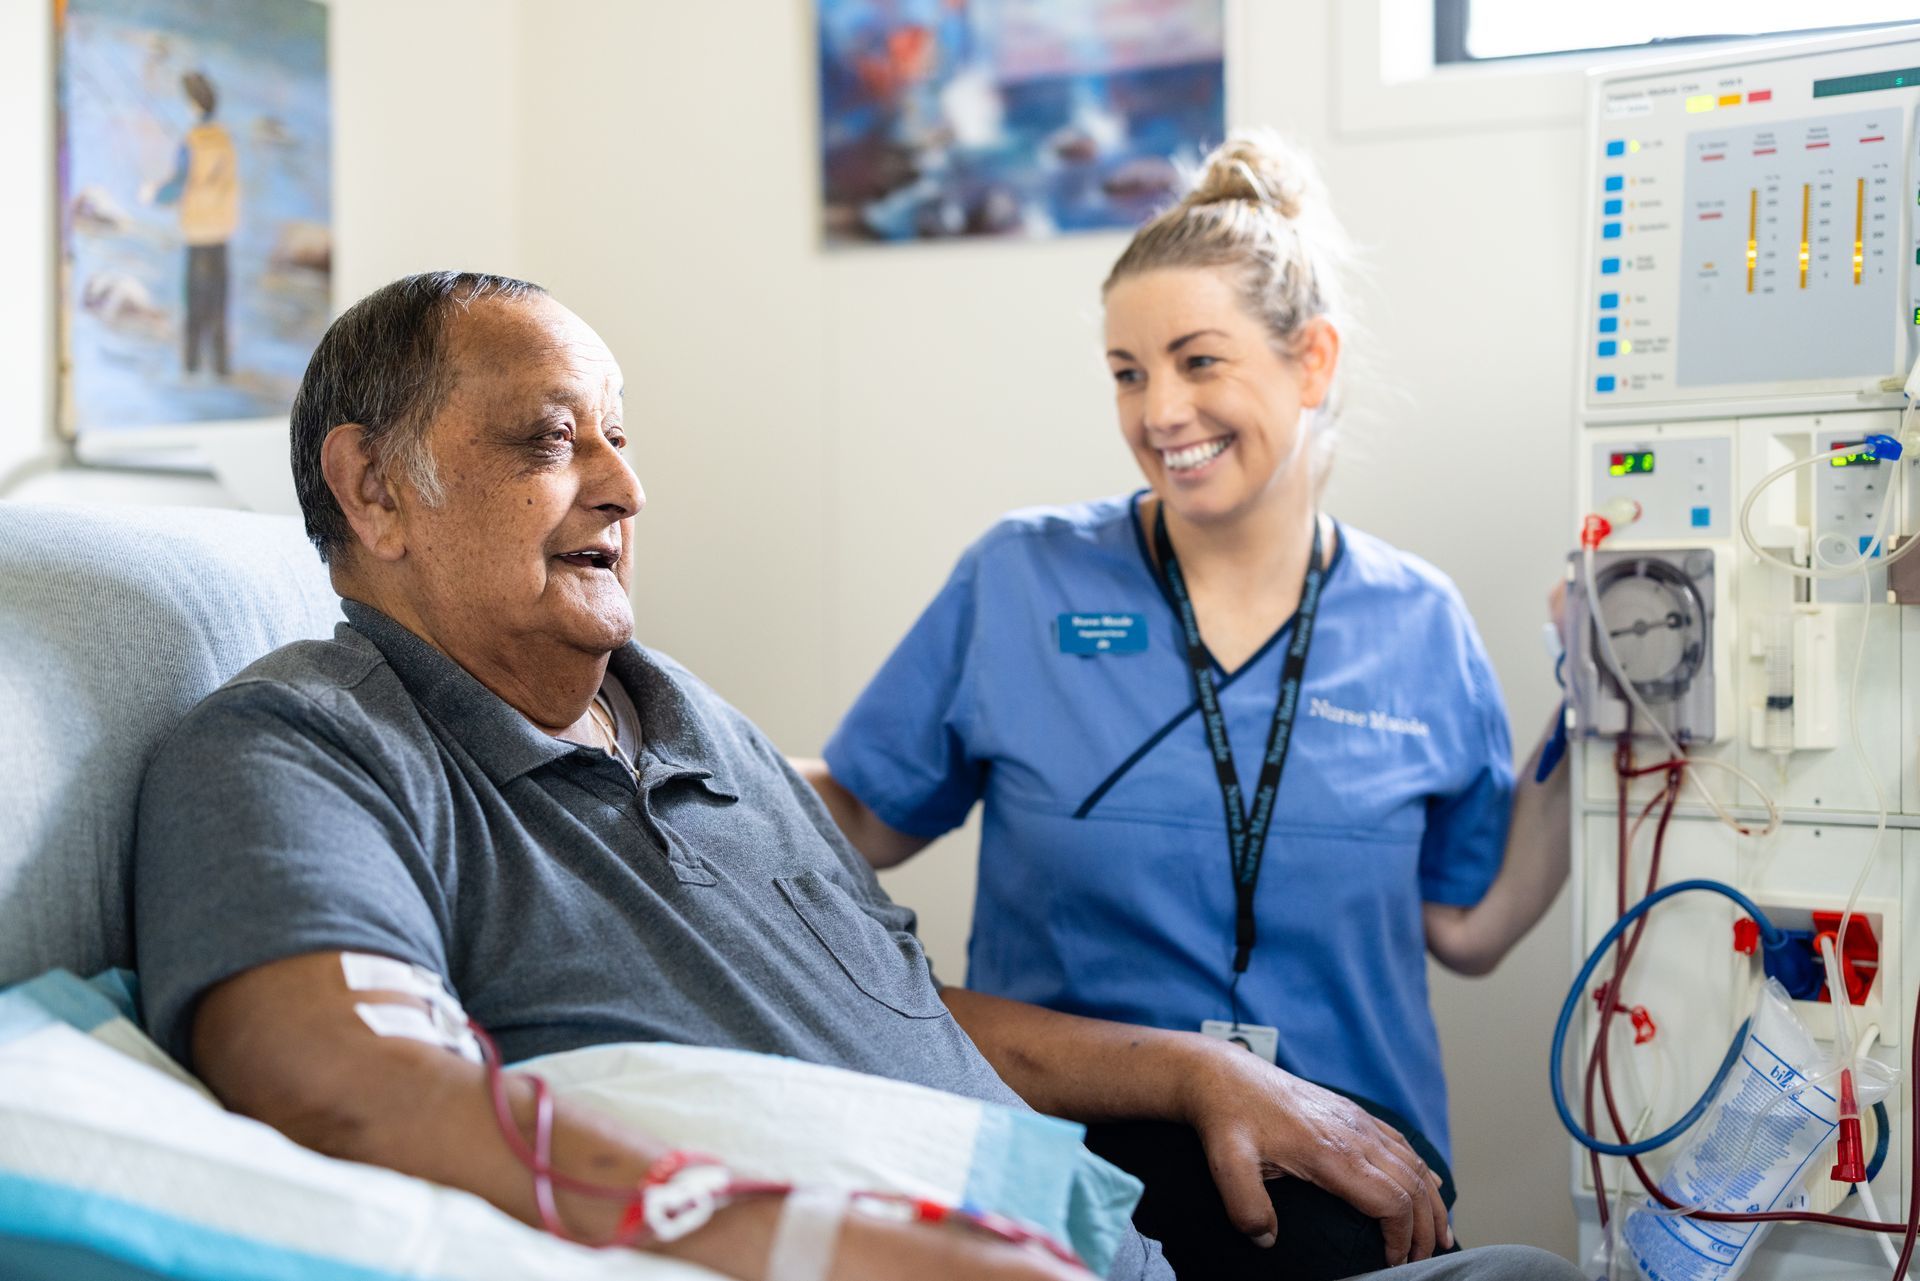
[1481,30]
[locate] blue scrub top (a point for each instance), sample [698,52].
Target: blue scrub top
[1105,886]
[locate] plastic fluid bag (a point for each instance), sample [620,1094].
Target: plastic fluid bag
[1764,1135]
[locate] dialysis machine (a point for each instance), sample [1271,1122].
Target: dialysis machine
[1751,299]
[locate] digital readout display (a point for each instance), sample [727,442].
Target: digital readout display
[1638,463]
[1848,453]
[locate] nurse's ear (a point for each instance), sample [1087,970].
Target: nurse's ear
[1316,355]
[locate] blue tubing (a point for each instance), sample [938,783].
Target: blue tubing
[1770,936]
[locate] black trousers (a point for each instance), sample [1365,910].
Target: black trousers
[207,306]
[1321,1237]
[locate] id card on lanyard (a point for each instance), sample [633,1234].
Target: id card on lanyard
[1247,825]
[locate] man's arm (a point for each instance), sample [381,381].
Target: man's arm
[882,846]
[282,1043]
[1256,1121]
[1472,940]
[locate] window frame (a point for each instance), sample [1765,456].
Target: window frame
[1452,18]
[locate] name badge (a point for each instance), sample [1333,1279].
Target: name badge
[1261,1042]
[1102,633]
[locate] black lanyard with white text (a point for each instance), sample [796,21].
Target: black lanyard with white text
[1246,830]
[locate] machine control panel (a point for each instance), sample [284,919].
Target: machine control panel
[1752,229]
[1684,485]
[1850,494]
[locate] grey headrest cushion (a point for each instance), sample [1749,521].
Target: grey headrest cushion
[113,622]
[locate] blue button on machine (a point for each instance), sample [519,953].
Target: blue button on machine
[1615,182]
[1610,231]
[1609,266]
[1603,383]
[1866,541]
[1609,301]
[1608,347]
[1609,324]
[1617,147]
[1702,517]
[1612,207]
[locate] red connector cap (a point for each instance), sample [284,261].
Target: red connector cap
[1614,514]
[1850,1165]
[1746,936]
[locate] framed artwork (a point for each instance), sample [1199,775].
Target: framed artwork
[948,118]
[195,184]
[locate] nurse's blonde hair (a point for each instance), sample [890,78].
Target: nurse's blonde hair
[1258,210]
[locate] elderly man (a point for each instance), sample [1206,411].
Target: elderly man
[483,776]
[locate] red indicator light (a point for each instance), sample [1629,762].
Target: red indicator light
[1760,95]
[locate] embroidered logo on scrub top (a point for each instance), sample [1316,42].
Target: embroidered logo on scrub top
[1374,720]
[1102,633]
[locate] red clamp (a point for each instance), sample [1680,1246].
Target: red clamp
[1859,953]
[1644,1028]
[1850,1164]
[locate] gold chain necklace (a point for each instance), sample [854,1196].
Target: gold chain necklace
[595,710]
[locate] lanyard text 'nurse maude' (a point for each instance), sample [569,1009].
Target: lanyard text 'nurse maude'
[1246,828]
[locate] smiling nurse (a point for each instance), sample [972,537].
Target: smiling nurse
[1275,873]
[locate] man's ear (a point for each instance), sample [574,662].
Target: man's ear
[362,493]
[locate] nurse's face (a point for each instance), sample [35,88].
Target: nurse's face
[1211,407]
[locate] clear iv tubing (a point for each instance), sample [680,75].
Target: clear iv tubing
[1843,1020]
[1673,749]
[1808,571]
[1862,565]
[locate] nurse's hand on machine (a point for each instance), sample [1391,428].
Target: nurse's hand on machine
[1259,1122]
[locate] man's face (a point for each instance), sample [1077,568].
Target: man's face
[531,543]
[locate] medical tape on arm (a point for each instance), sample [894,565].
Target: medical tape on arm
[442,1022]
[804,1240]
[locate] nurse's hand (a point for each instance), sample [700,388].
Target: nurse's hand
[1258,1123]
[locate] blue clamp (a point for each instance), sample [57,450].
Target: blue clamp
[1884,446]
[1556,747]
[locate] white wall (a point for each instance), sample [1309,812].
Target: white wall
[821,433]
[26,234]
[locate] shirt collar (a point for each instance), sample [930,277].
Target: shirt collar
[506,744]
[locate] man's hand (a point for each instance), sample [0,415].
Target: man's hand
[1258,1122]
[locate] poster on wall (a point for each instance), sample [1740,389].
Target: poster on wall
[195,182]
[950,118]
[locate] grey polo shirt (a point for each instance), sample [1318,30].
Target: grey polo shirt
[368,794]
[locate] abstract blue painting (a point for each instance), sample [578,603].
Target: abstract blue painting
[944,118]
[195,208]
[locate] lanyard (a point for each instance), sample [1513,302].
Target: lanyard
[1246,830]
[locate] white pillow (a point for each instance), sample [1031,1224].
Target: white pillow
[778,1118]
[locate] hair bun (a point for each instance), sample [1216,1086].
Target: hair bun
[1256,167]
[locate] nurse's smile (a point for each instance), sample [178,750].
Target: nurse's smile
[1190,462]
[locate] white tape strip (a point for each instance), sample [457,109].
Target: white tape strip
[442,1023]
[808,1231]
[416,1024]
[368,973]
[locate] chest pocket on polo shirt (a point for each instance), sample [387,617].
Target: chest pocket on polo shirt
[889,967]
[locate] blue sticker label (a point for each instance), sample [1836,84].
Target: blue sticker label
[1102,633]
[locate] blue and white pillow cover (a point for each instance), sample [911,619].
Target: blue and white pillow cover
[116,1165]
